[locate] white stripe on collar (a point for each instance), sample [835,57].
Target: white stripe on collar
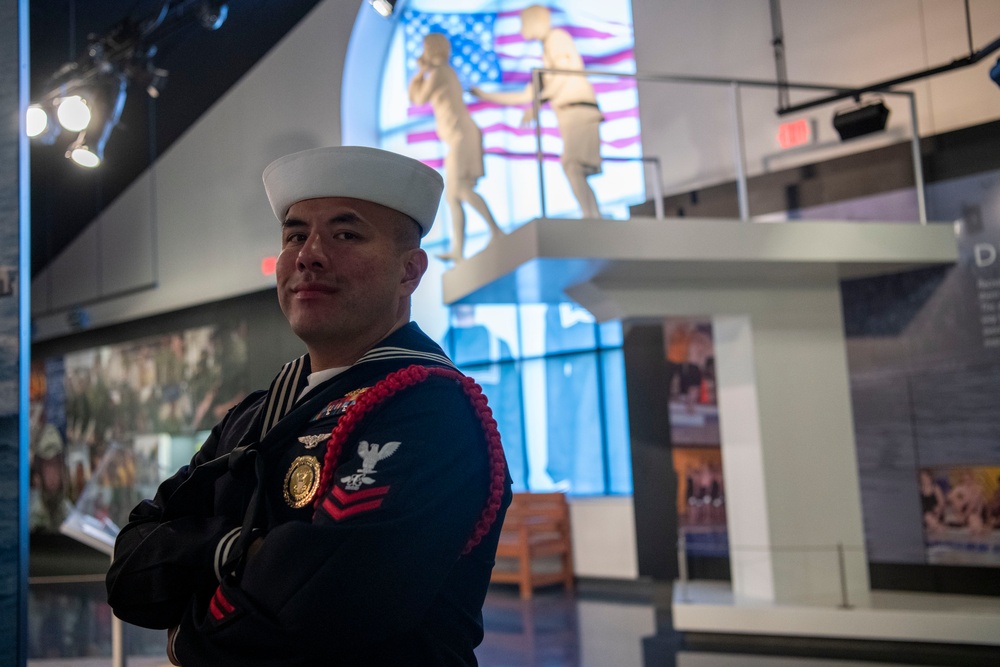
[281,395]
[284,391]
[385,353]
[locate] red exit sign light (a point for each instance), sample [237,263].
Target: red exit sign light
[794,133]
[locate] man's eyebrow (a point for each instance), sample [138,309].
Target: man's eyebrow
[349,217]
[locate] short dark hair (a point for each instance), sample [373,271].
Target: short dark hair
[408,232]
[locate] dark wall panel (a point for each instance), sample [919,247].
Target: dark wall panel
[653,477]
[13,548]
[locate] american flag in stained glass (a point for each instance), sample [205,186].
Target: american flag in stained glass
[489,51]
[471,35]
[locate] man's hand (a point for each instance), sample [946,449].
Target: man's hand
[254,547]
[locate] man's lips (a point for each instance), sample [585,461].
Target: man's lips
[309,290]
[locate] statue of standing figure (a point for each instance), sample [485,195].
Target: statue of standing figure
[437,83]
[572,99]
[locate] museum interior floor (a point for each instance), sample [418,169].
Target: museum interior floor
[602,624]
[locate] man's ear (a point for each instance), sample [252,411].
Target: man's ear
[414,266]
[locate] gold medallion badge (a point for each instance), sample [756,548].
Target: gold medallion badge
[301,481]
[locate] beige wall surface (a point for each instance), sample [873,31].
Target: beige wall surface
[847,43]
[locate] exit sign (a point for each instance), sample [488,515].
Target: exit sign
[795,133]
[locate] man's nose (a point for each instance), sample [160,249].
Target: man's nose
[312,254]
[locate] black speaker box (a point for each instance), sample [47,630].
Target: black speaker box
[861,121]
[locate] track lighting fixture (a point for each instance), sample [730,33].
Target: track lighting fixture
[36,121]
[88,154]
[90,91]
[383,7]
[212,14]
[73,113]
[81,152]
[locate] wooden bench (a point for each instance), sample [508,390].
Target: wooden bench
[535,546]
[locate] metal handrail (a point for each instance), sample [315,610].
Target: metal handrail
[652,160]
[739,143]
[840,548]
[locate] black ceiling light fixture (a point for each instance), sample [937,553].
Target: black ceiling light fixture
[84,150]
[860,119]
[90,92]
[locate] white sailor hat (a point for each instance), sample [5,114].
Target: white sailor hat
[383,177]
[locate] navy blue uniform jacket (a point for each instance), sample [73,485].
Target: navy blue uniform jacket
[371,572]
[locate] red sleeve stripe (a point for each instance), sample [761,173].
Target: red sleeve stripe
[216,612]
[220,606]
[346,498]
[338,513]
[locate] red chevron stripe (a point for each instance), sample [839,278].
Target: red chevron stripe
[346,498]
[214,609]
[338,513]
[219,606]
[223,602]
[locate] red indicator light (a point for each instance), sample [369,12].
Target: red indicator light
[267,265]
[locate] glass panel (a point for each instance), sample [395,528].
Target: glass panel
[616,422]
[611,333]
[574,460]
[569,328]
[481,334]
[501,382]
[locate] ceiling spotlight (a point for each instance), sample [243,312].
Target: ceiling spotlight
[73,113]
[213,14]
[87,153]
[36,120]
[157,81]
[383,7]
[83,154]
[860,120]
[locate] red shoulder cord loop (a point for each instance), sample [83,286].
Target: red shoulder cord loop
[389,386]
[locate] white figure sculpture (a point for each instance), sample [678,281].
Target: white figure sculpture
[573,100]
[436,82]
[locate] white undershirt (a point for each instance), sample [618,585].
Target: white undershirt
[319,377]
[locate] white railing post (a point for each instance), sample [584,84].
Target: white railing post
[740,153]
[536,105]
[918,165]
[682,565]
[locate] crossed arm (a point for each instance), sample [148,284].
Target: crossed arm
[364,576]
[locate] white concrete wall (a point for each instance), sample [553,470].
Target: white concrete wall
[604,537]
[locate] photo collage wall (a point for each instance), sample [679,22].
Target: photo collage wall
[108,423]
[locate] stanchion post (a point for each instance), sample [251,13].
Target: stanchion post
[118,643]
[844,602]
[682,565]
